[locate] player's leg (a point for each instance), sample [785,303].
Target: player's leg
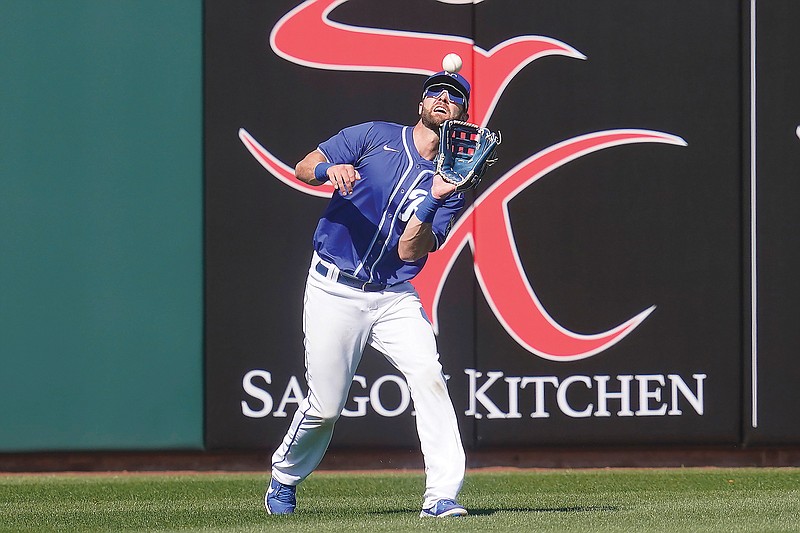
[405,336]
[336,332]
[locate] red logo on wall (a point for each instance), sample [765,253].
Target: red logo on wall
[485,225]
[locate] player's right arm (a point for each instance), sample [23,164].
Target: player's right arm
[315,170]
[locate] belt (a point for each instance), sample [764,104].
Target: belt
[352,281]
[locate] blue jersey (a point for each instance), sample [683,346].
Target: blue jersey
[360,232]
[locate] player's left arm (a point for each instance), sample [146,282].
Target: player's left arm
[418,238]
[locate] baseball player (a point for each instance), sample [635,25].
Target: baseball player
[390,210]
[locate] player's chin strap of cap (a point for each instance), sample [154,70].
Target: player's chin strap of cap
[331,272]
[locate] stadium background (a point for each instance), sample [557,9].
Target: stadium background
[149,262]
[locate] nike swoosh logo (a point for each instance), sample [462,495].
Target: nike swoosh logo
[389,148]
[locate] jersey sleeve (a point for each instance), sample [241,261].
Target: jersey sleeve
[347,146]
[445,218]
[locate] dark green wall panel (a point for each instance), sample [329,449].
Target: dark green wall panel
[100,225]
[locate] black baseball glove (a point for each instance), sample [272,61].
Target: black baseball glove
[465,152]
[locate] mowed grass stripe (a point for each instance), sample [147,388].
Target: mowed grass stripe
[697,500]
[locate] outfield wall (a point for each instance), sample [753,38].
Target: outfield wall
[631,283]
[100,225]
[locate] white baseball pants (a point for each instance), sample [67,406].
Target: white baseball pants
[338,322]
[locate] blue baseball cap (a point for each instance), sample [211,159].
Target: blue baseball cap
[450,80]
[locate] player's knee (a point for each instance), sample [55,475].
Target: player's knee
[329,416]
[324,410]
[429,378]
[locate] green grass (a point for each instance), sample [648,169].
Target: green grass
[669,500]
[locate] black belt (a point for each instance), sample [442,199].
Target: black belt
[352,281]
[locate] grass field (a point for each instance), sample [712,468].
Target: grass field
[696,500]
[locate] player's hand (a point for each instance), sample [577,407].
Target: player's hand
[343,178]
[440,188]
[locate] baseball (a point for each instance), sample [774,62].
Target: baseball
[452,62]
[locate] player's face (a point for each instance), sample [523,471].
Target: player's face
[436,108]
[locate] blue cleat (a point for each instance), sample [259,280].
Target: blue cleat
[280,498]
[443,508]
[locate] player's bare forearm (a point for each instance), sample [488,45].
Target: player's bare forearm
[343,177]
[417,240]
[304,171]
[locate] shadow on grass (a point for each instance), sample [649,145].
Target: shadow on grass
[490,511]
[580,509]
